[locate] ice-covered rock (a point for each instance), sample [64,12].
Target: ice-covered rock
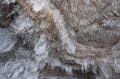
[39,4]
[20,67]
[116,65]
[22,23]
[9,1]
[61,38]
[41,46]
[7,40]
[41,49]
[67,35]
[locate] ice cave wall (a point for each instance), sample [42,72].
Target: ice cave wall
[59,39]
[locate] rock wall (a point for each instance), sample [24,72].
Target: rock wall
[59,39]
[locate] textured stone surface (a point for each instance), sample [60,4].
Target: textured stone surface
[60,39]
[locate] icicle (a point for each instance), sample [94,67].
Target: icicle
[68,69]
[56,63]
[84,64]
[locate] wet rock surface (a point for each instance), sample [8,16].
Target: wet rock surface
[59,39]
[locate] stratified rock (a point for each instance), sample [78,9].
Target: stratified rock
[60,39]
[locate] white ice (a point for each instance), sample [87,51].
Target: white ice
[39,4]
[9,1]
[7,40]
[22,23]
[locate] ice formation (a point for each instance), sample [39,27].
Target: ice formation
[41,46]
[7,40]
[41,49]
[22,23]
[60,39]
[67,36]
[38,4]
[9,1]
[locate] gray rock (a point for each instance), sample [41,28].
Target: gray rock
[62,39]
[7,40]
